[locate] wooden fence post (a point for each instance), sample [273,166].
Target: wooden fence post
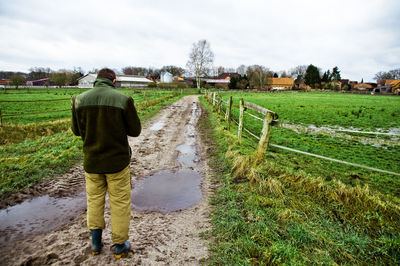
[240,129]
[144,96]
[213,100]
[228,113]
[219,103]
[265,133]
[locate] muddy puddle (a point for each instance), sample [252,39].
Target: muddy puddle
[158,125]
[39,215]
[169,190]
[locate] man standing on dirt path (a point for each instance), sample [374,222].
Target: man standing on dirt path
[104,117]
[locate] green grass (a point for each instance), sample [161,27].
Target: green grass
[267,213]
[31,161]
[385,157]
[368,112]
[46,108]
[37,152]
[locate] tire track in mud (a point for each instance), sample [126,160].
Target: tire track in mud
[156,238]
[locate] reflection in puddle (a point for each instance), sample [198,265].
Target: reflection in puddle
[158,125]
[187,157]
[39,215]
[167,190]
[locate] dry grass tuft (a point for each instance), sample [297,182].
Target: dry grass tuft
[284,215]
[15,133]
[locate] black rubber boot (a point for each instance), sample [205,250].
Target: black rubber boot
[121,249]
[96,241]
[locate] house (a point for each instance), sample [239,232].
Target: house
[365,86]
[38,82]
[279,83]
[177,79]
[390,85]
[5,82]
[227,75]
[352,83]
[165,77]
[217,82]
[87,81]
[396,86]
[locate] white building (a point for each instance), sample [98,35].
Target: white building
[87,81]
[166,77]
[122,81]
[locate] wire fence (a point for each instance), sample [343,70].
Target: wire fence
[217,102]
[146,95]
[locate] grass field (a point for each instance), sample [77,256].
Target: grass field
[367,112]
[292,209]
[28,153]
[54,100]
[325,110]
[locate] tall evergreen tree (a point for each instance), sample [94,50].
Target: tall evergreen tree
[336,74]
[312,76]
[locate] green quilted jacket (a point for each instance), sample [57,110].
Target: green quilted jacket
[104,117]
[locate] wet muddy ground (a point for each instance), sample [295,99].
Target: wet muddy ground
[167,157]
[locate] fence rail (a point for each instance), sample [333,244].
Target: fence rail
[149,96]
[268,122]
[34,101]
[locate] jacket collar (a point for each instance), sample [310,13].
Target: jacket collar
[103,82]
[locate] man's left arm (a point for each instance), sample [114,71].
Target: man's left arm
[133,126]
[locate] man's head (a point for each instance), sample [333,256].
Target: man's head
[108,74]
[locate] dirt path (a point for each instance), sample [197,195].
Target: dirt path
[156,238]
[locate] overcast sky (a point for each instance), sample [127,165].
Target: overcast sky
[361,37]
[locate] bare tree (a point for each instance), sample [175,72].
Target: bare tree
[200,60]
[391,74]
[283,74]
[220,70]
[174,70]
[241,70]
[298,73]
[258,76]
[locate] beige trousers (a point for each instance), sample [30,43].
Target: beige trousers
[119,193]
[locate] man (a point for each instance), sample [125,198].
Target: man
[104,117]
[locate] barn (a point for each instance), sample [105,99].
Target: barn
[122,81]
[280,83]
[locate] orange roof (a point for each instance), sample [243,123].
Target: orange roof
[388,82]
[280,82]
[395,84]
[363,85]
[392,81]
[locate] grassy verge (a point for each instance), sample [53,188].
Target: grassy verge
[268,214]
[50,151]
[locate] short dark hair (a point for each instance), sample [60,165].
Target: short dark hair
[107,73]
